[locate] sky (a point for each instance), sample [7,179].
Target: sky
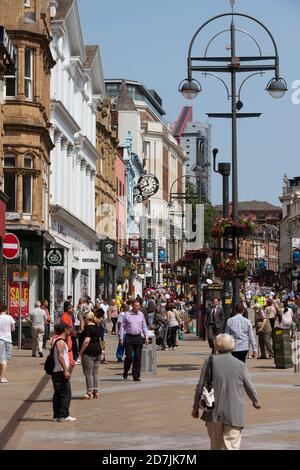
[148,41]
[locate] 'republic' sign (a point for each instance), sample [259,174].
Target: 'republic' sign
[11,246]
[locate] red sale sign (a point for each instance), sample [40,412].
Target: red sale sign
[14,299]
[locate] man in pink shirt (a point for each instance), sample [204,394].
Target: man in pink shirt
[134,324]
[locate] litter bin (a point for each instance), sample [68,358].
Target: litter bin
[282,346]
[26,336]
[149,361]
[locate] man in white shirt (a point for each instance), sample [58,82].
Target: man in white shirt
[7,325]
[37,319]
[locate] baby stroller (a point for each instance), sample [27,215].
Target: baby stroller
[160,330]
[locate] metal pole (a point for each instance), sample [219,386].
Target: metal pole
[224,169]
[236,282]
[20,305]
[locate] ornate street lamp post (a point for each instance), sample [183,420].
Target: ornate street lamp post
[233,65]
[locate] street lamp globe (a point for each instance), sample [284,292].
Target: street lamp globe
[277,87]
[190,89]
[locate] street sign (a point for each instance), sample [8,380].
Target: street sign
[296,256]
[20,277]
[11,246]
[162,254]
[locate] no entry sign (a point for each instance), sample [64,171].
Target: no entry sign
[11,246]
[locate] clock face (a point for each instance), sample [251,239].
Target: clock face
[149,185]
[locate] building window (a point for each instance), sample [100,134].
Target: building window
[27,189]
[10,183]
[146,149]
[27,162]
[27,186]
[11,82]
[28,73]
[27,3]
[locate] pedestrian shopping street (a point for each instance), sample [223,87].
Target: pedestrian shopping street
[152,414]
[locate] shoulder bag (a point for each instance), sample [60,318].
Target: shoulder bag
[207,398]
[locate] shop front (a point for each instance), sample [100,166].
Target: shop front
[3,200]
[107,285]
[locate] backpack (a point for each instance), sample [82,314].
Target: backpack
[49,362]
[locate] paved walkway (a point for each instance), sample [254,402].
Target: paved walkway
[153,414]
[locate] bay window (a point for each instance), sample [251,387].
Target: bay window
[28,73]
[10,182]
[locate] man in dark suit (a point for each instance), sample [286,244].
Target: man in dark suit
[214,322]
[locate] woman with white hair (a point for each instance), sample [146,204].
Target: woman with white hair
[230,378]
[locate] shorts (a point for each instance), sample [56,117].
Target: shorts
[5,351]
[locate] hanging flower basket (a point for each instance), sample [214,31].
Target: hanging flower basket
[229,228]
[230,268]
[166,266]
[194,255]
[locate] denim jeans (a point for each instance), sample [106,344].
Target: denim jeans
[61,396]
[90,366]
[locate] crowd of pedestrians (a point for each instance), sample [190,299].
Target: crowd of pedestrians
[80,331]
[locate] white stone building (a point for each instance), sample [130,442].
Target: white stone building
[141,113]
[77,87]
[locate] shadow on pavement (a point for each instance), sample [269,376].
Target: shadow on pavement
[179,367]
[32,420]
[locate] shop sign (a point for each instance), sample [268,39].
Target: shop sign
[101,273]
[126,272]
[20,277]
[55,257]
[14,298]
[141,268]
[134,245]
[87,260]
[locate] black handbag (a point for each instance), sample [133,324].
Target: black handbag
[207,398]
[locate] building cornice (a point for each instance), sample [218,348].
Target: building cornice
[30,129]
[61,215]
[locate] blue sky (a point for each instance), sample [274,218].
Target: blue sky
[148,41]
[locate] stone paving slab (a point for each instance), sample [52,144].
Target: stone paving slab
[153,414]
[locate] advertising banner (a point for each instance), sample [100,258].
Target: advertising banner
[14,297]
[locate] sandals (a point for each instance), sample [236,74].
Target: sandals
[96,395]
[88,396]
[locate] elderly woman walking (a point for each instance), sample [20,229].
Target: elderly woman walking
[230,378]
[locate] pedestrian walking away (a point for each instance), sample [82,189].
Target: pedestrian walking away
[240,328]
[135,326]
[230,378]
[38,318]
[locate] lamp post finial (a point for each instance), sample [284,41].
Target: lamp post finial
[232,3]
